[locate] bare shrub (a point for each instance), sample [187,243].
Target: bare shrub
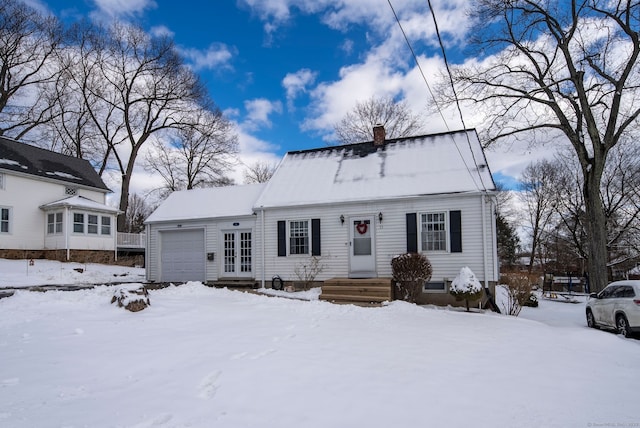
[518,292]
[410,272]
[307,271]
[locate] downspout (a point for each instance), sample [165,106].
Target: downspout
[484,240]
[66,231]
[262,247]
[494,240]
[115,239]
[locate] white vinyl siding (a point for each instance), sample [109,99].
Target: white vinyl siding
[391,236]
[25,195]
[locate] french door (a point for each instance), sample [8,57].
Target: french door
[237,258]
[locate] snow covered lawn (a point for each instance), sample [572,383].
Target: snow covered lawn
[205,357]
[19,273]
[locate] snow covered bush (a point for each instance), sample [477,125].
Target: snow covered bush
[466,286]
[133,297]
[410,272]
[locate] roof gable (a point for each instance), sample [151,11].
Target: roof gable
[27,159]
[452,162]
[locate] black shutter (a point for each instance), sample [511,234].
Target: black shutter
[412,233]
[282,238]
[455,231]
[315,237]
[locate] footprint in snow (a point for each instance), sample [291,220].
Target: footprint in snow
[155,422]
[209,385]
[10,382]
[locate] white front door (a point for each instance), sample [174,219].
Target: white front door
[237,260]
[362,259]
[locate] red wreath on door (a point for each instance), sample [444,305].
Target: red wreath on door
[362,228]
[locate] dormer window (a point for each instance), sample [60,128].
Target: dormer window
[70,191]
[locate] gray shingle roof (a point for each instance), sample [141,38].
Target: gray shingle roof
[27,159]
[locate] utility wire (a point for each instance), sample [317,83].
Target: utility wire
[453,88]
[415,58]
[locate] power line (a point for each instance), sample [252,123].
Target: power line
[415,58]
[453,88]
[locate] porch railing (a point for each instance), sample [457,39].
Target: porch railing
[131,240]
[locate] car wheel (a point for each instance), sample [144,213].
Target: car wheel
[591,321]
[622,325]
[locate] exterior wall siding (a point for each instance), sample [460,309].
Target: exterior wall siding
[28,221]
[390,237]
[213,243]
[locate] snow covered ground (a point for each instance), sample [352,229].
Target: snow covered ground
[19,273]
[206,357]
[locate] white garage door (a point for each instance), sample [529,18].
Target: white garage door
[182,255]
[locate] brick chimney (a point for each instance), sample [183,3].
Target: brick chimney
[379,135]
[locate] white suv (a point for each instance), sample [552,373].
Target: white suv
[616,307]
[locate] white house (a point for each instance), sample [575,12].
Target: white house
[352,208]
[52,206]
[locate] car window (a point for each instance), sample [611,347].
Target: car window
[618,292]
[626,291]
[608,292]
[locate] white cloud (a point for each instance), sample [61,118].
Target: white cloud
[217,55]
[258,112]
[161,31]
[119,8]
[296,83]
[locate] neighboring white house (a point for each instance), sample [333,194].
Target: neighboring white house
[52,206]
[352,207]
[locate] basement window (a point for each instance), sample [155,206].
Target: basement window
[435,287]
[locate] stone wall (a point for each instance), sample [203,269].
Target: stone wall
[80,256]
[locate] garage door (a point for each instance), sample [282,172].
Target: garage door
[182,255]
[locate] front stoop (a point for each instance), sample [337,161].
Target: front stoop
[360,291]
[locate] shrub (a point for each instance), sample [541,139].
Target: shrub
[410,272]
[518,293]
[306,272]
[466,286]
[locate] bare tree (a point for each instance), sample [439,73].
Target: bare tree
[75,97]
[539,197]
[28,40]
[137,213]
[620,193]
[259,172]
[199,156]
[397,118]
[570,68]
[124,88]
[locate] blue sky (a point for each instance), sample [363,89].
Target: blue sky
[286,70]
